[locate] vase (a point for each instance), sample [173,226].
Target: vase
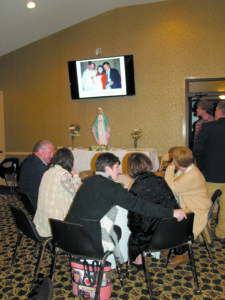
[73,142]
[135,143]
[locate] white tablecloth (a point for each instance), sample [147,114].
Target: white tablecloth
[85,159]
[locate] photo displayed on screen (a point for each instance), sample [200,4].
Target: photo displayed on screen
[101,77]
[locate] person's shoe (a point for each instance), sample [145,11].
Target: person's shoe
[219,239]
[164,252]
[222,240]
[178,259]
[199,241]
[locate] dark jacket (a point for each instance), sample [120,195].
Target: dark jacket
[32,170]
[97,195]
[115,77]
[209,151]
[153,189]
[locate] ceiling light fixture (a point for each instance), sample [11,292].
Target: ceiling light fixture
[222,97]
[31,4]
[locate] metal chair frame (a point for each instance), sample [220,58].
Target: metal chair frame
[26,227]
[10,166]
[24,198]
[215,198]
[76,241]
[168,235]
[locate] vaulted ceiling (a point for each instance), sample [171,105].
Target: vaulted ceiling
[20,26]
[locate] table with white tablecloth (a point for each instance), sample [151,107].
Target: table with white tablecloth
[85,159]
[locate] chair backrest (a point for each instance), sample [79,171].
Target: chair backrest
[166,160]
[24,198]
[170,233]
[24,223]
[86,174]
[9,166]
[74,239]
[46,290]
[215,198]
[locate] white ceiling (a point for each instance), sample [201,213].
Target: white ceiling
[20,26]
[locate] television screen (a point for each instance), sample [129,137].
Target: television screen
[102,77]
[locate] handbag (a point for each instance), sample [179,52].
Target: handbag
[85,277]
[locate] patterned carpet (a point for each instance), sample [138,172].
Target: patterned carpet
[170,283]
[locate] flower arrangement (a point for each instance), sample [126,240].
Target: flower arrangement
[136,135]
[74,131]
[100,148]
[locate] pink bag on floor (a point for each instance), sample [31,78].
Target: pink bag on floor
[85,277]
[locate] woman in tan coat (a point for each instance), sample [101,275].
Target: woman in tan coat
[189,186]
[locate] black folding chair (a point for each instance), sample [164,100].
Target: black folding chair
[26,227]
[168,235]
[25,200]
[215,198]
[75,240]
[9,170]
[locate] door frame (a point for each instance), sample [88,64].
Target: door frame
[2,128]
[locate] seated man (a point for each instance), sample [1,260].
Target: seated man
[99,195]
[33,168]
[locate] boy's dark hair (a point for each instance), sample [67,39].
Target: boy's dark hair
[106,159]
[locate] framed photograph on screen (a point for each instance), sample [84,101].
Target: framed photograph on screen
[102,77]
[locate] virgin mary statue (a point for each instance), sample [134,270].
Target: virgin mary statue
[101,129]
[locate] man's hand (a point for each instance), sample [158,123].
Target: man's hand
[179,214]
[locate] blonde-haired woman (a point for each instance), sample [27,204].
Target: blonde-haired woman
[189,186]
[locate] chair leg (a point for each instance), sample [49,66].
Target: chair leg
[128,269]
[147,275]
[100,277]
[19,238]
[208,248]
[42,250]
[118,268]
[35,250]
[168,257]
[52,273]
[210,235]
[13,184]
[193,268]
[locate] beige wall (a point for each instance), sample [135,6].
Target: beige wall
[170,41]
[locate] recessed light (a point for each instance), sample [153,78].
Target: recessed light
[31,4]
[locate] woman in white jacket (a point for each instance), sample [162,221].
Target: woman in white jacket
[56,192]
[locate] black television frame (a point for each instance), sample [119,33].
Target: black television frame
[126,69]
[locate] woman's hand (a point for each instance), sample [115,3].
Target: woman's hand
[179,214]
[73,172]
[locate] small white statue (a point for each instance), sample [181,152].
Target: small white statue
[101,129]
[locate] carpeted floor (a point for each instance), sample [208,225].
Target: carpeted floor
[170,283]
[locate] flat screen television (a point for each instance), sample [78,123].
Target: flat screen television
[102,77]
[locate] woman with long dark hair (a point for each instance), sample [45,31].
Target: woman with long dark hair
[56,192]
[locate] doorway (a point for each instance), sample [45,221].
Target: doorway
[211,89]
